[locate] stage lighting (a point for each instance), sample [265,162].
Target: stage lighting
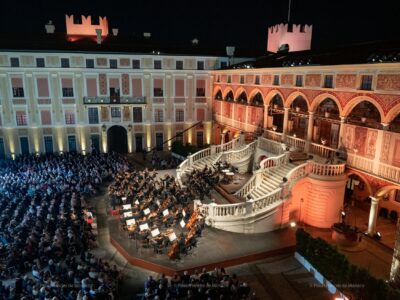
[292,224]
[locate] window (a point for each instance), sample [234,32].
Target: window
[90,63]
[200,65]
[224,64]
[72,143]
[113,64]
[64,62]
[366,82]
[18,92]
[179,64]
[69,117]
[135,64]
[157,64]
[328,82]
[158,115]
[67,89]
[93,114]
[137,115]
[299,80]
[241,79]
[95,143]
[179,115]
[115,112]
[158,88]
[48,144]
[14,61]
[17,87]
[22,118]
[229,79]
[40,62]
[276,79]
[45,115]
[257,79]
[200,88]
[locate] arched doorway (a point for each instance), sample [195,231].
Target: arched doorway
[117,139]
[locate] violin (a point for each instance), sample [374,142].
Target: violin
[174,249]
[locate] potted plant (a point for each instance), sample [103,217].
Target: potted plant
[327,113]
[364,118]
[297,108]
[275,106]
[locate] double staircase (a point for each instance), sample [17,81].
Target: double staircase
[271,181]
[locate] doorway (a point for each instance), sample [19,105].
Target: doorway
[117,139]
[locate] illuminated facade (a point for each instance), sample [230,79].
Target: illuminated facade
[68,101]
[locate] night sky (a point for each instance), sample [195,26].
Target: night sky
[216,23]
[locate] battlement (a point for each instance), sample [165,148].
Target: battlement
[297,37]
[86,27]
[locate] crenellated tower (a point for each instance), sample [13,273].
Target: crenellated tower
[289,37]
[86,27]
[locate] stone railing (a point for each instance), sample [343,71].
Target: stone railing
[325,169]
[237,155]
[275,162]
[226,210]
[250,184]
[259,204]
[296,174]
[389,172]
[273,135]
[322,150]
[212,150]
[270,146]
[360,162]
[295,142]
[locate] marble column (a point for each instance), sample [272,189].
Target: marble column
[373,215]
[285,123]
[342,121]
[310,129]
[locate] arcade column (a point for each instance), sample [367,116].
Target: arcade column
[373,215]
[309,131]
[285,122]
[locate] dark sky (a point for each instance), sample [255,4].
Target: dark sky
[217,23]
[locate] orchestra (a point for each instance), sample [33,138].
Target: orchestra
[157,212]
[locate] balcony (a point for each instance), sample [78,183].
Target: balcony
[111,100]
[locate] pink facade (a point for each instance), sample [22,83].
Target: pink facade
[43,87]
[179,88]
[137,87]
[91,86]
[298,39]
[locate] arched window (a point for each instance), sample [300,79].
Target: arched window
[257,100]
[277,102]
[229,96]
[218,95]
[242,97]
[366,114]
[328,109]
[299,105]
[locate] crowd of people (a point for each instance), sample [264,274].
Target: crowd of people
[214,285]
[45,227]
[157,203]
[167,162]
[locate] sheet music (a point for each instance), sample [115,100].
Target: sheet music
[123,199]
[137,202]
[155,232]
[128,214]
[165,212]
[130,222]
[184,213]
[146,211]
[172,237]
[127,206]
[182,223]
[144,226]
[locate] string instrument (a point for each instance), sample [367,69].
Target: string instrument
[191,234]
[174,249]
[192,220]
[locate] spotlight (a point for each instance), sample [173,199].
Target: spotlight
[292,224]
[343,214]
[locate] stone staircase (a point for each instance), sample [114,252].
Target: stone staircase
[272,181]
